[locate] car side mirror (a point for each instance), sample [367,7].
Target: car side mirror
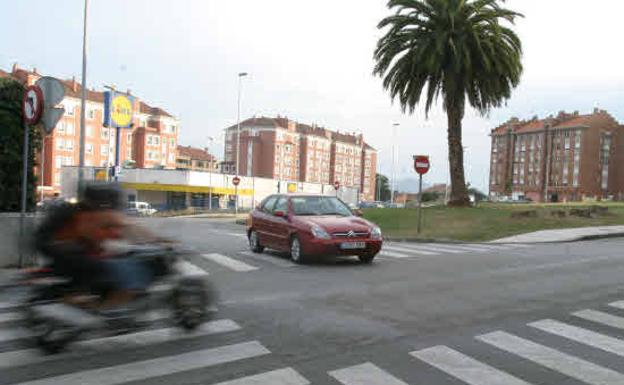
[357,212]
[279,213]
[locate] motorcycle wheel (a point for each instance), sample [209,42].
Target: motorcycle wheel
[189,303]
[51,336]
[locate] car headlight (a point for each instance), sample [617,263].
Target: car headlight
[319,233]
[376,233]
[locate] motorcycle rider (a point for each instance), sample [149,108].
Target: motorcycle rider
[75,238]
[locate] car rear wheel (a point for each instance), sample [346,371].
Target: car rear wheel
[296,253]
[367,258]
[254,242]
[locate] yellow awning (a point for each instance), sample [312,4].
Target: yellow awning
[185,188]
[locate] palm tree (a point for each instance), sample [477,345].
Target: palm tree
[456,49]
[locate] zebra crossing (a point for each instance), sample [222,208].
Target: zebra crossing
[444,361]
[451,361]
[147,369]
[401,250]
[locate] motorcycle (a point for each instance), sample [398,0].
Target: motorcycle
[189,300]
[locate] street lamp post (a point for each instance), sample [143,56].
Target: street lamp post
[378,177]
[210,141]
[83,99]
[240,86]
[394,156]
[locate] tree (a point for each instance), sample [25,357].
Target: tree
[382,186]
[12,147]
[430,196]
[456,49]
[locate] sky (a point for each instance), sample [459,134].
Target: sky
[312,62]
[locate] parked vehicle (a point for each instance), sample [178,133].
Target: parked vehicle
[56,323]
[141,209]
[311,226]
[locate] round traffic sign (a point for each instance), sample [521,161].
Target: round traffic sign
[421,164]
[336,185]
[236,181]
[32,105]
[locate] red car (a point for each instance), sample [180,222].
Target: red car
[311,225]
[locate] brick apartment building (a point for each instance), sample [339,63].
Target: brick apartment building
[151,143]
[284,149]
[196,159]
[569,157]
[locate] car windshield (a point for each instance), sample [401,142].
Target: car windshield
[318,205]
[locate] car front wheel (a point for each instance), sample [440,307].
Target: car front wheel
[296,253]
[254,242]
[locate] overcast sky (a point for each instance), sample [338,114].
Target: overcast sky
[311,61]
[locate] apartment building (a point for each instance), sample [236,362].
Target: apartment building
[283,149]
[568,157]
[196,159]
[152,142]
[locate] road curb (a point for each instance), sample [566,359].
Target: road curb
[446,241]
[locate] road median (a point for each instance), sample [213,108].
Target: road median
[503,223]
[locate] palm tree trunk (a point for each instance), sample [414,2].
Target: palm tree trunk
[459,193]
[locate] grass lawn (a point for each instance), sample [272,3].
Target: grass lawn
[486,222]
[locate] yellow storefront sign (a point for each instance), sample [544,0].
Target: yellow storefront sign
[121,111]
[186,188]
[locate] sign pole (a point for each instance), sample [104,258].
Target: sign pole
[117,148]
[419,203]
[24,187]
[43,138]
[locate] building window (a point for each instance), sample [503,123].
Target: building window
[69,144]
[149,139]
[90,114]
[58,161]
[129,153]
[89,148]
[103,149]
[156,140]
[104,133]
[89,130]
[171,142]
[69,126]
[69,110]
[60,144]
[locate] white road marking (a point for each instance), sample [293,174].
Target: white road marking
[12,316]
[187,268]
[275,260]
[394,255]
[583,336]
[423,246]
[286,376]
[406,250]
[365,374]
[465,368]
[240,235]
[14,334]
[100,345]
[9,305]
[553,359]
[143,370]
[228,262]
[601,317]
[617,304]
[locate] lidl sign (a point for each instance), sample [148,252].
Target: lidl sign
[118,109]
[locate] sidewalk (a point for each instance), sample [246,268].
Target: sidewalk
[565,235]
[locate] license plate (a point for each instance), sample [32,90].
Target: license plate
[352,245]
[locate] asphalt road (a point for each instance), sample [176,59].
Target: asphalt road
[420,314]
